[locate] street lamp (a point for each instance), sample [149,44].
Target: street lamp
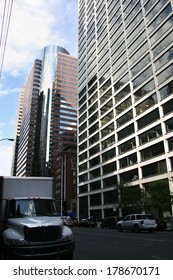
[8,139]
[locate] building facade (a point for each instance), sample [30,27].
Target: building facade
[49,120]
[125,123]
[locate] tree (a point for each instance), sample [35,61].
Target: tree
[158,197]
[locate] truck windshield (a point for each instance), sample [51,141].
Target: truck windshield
[32,207]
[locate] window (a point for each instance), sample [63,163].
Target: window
[108,142]
[123,93]
[95,186]
[166,90]
[146,104]
[94,173]
[166,57]
[152,151]
[150,134]
[94,150]
[107,118]
[154,169]
[127,146]
[108,155]
[128,161]
[168,107]
[123,106]
[169,125]
[126,131]
[149,118]
[111,167]
[145,89]
[161,16]
[107,130]
[129,176]
[170,144]
[125,118]
[94,161]
[110,182]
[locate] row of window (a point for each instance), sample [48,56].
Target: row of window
[153,169]
[144,154]
[154,115]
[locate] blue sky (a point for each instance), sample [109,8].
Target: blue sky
[34,24]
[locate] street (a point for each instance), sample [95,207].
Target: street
[107,244]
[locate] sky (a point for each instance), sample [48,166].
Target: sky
[34,24]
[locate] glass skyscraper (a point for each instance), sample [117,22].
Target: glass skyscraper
[125,123]
[47,124]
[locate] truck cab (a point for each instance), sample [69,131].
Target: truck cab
[30,228]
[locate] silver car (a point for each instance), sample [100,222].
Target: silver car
[137,222]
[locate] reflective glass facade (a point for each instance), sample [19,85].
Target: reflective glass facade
[125,123]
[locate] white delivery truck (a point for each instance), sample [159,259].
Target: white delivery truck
[29,225]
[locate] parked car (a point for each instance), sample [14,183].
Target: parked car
[161,224]
[137,222]
[109,222]
[89,222]
[67,221]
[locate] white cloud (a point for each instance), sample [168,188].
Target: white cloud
[33,25]
[5,160]
[9,91]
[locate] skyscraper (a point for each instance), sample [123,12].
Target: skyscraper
[49,119]
[125,124]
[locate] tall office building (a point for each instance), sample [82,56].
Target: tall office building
[47,138]
[125,122]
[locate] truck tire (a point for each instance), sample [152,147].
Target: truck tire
[67,257]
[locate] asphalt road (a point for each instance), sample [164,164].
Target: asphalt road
[108,244]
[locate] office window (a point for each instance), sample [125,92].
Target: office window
[107,130]
[166,57]
[94,173]
[129,176]
[149,118]
[142,77]
[145,89]
[108,155]
[128,161]
[109,197]
[123,106]
[95,199]
[106,96]
[95,185]
[110,182]
[127,146]
[163,44]
[94,139]
[169,125]
[95,161]
[168,107]
[123,93]
[94,150]
[146,104]
[108,142]
[107,118]
[126,131]
[106,107]
[140,65]
[162,30]
[161,16]
[166,90]
[83,167]
[109,168]
[93,118]
[152,151]
[83,189]
[165,74]
[170,143]
[155,168]
[151,134]
[125,118]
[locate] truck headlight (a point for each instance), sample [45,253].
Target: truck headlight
[15,241]
[67,237]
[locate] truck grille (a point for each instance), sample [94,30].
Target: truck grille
[42,233]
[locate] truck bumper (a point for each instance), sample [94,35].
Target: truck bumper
[44,251]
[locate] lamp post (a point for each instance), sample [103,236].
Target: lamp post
[8,139]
